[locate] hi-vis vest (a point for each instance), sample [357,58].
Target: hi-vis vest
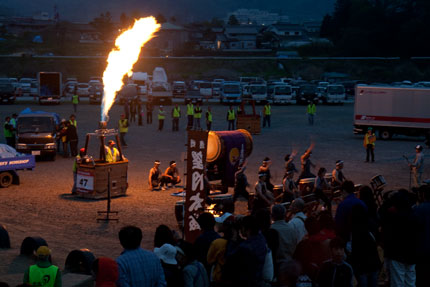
[7,133]
[111,154]
[161,115]
[123,126]
[312,109]
[177,112]
[75,99]
[42,276]
[190,109]
[231,115]
[209,116]
[369,139]
[198,113]
[267,110]
[73,123]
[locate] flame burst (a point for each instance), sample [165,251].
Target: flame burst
[122,58]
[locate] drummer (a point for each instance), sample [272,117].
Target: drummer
[265,169]
[263,196]
[337,175]
[290,190]
[321,185]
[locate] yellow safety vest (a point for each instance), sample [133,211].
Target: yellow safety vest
[123,126]
[209,116]
[176,112]
[38,276]
[312,109]
[198,113]
[231,115]
[74,123]
[267,110]
[190,109]
[75,164]
[112,156]
[369,139]
[161,115]
[75,99]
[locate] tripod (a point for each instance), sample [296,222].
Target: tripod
[410,171]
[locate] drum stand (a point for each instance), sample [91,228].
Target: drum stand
[108,212]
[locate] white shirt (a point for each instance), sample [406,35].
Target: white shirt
[298,224]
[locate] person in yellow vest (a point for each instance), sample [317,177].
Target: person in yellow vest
[123,129]
[176,114]
[197,116]
[112,153]
[72,120]
[43,273]
[63,136]
[267,112]
[75,102]
[209,119]
[231,118]
[190,115]
[161,117]
[311,111]
[369,144]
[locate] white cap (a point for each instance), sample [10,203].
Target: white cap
[166,253]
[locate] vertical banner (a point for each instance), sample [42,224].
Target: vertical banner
[195,194]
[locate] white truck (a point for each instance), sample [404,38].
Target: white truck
[283,94]
[392,110]
[160,92]
[335,94]
[141,80]
[258,92]
[231,93]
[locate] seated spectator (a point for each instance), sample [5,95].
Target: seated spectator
[167,255]
[105,271]
[203,242]
[194,273]
[336,272]
[155,179]
[163,235]
[298,220]
[137,267]
[171,175]
[36,274]
[337,177]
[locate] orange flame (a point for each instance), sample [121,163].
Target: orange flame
[122,58]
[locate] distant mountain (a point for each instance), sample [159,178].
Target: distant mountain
[85,10]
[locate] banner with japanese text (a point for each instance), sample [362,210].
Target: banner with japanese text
[195,189]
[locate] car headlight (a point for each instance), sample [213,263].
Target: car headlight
[50,146]
[21,146]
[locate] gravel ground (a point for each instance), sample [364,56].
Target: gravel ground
[42,204]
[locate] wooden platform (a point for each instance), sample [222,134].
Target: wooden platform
[251,123]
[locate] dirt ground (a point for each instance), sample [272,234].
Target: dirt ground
[42,204]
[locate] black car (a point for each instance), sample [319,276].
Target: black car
[7,92]
[307,93]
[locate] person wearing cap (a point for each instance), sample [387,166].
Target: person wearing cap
[417,166]
[369,144]
[197,116]
[112,153]
[311,112]
[337,176]
[76,162]
[161,117]
[265,168]
[137,266]
[190,114]
[171,175]
[43,273]
[155,179]
[263,197]
[123,129]
[231,118]
[176,114]
[167,255]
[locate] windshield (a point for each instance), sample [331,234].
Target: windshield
[247,79]
[83,86]
[258,90]
[35,125]
[231,89]
[283,90]
[205,85]
[308,89]
[336,89]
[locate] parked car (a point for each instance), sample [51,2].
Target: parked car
[205,89]
[306,94]
[216,89]
[179,89]
[82,90]
[7,91]
[96,93]
[25,85]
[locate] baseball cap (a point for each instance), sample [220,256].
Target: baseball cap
[43,251]
[166,253]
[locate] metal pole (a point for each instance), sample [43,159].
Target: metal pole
[108,201]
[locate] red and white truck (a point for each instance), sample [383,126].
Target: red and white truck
[392,110]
